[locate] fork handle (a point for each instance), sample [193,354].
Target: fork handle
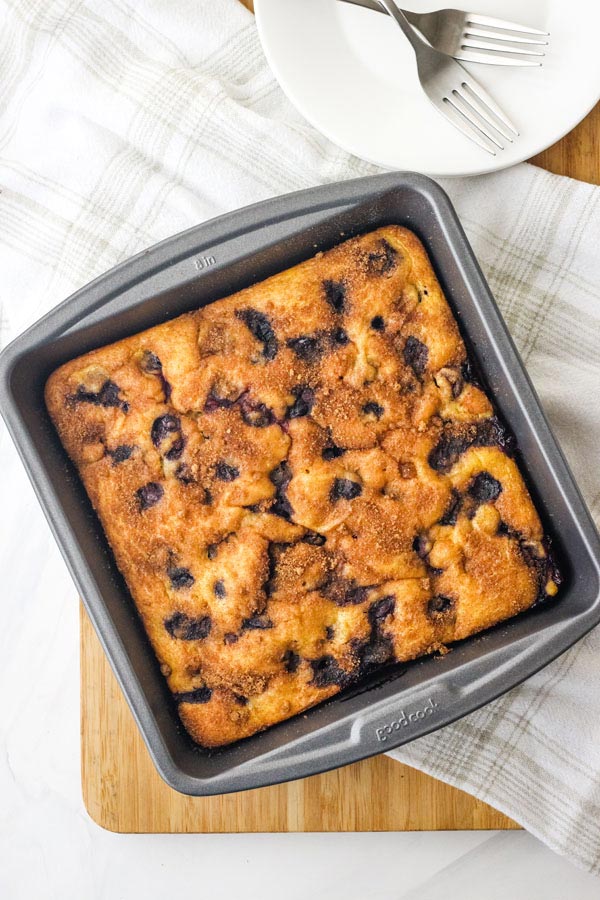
[368,4]
[413,17]
[401,18]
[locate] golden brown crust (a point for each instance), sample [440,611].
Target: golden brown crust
[302,482]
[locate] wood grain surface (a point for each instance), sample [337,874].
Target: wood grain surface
[123,792]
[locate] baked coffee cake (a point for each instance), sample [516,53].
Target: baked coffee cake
[301,483]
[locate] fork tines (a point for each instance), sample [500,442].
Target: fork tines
[475,19]
[505,40]
[471,109]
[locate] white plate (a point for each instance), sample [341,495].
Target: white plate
[352,74]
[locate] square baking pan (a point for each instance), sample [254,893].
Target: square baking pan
[209,262]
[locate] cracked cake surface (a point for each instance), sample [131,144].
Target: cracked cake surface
[301,483]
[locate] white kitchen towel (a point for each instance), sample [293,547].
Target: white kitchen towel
[122,123]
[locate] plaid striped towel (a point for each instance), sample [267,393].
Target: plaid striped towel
[122,124]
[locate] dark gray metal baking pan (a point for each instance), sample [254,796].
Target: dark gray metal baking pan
[211,261]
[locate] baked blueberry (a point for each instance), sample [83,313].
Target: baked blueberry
[455,379]
[225,472]
[382,261]
[456,439]
[219,589]
[492,433]
[378,323]
[421,546]
[448,449]
[373,409]
[439,605]
[381,609]
[149,495]
[327,672]
[257,623]
[314,538]
[150,363]
[484,488]
[176,449]
[356,595]
[187,628]
[260,327]
[274,551]
[107,396]
[345,592]
[166,387]
[332,452]
[184,474]
[345,489]
[258,415]
[121,453]
[290,660]
[181,578]
[335,294]
[281,477]
[306,347]
[451,512]
[163,427]
[303,404]
[376,652]
[282,507]
[199,695]
[415,355]
[214,401]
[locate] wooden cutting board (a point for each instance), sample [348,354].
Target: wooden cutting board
[123,792]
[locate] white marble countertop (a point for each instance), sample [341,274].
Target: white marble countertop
[50,848]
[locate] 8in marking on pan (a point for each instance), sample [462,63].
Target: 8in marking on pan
[203,262]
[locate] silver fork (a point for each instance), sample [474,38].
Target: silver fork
[455,93]
[475,38]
